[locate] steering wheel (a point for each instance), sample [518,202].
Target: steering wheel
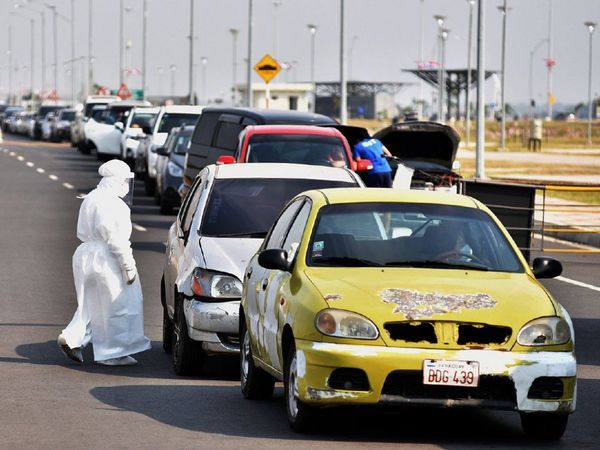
[453,255]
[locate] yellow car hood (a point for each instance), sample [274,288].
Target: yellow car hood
[409,294]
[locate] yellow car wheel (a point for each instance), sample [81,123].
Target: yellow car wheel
[300,415]
[256,384]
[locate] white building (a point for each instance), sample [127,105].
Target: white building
[283,96]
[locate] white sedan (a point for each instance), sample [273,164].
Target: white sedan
[221,224]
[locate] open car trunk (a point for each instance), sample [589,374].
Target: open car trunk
[428,148]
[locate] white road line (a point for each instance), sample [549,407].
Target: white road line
[68,185]
[20,158]
[579,283]
[53,177]
[563,242]
[5,150]
[138,227]
[40,170]
[12,153]
[30,164]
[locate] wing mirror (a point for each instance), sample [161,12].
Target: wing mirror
[546,267]
[147,130]
[119,126]
[362,165]
[226,159]
[163,151]
[274,259]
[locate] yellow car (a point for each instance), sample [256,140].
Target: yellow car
[383,296]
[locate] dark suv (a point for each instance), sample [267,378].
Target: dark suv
[217,132]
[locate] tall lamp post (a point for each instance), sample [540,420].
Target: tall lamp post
[550,61]
[31,68]
[480,146]
[10,66]
[191,57]
[43,42]
[249,58]
[440,22]
[312,28]
[469,67]
[173,68]
[343,81]
[204,62]
[234,35]
[504,9]
[90,47]
[531,54]
[591,27]
[445,32]
[144,47]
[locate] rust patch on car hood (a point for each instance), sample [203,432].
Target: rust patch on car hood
[415,304]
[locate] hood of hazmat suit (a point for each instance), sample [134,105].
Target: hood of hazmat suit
[109,310]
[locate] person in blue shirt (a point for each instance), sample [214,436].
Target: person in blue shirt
[373,150]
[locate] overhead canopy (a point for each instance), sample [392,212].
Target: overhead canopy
[360,88]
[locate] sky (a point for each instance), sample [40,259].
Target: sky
[382,37]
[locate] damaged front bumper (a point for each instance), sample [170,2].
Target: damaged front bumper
[216,325]
[386,375]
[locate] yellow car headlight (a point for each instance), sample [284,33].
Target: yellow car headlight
[545,331]
[345,324]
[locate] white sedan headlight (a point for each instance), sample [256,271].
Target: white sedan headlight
[210,284]
[545,331]
[345,324]
[174,169]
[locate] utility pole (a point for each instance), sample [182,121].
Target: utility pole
[504,10]
[440,22]
[420,63]
[550,61]
[234,34]
[313,31]
[191,57]
[445,32]
[249,55]
[73,99]
[144,46]
[55,39]
[469,67]
[343,83]
[590,26]
[90,49]
[10,66]
[121,32]
[480,146]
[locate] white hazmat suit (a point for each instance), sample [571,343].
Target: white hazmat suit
[109,295]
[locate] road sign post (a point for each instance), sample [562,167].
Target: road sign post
[267,68]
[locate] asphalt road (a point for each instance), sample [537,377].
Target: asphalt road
[50,402]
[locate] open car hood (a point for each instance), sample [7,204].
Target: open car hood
[421,145]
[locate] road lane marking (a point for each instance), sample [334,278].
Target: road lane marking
[68,185]
[579,283]
[138,227]
[12,154]
[30,164]
[563,242]
[53,177]
[5,150]
[40,170]
[20,158]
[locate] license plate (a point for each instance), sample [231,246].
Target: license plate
[451,373]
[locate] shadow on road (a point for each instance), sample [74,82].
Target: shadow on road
[192,407]
[139,246]
[153,363]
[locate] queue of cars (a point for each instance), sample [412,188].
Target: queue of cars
[348,295]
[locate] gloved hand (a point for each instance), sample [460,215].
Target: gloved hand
[130,275]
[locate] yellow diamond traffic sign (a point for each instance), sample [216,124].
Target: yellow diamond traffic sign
[267,68]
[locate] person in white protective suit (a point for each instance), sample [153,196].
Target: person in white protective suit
[109,295]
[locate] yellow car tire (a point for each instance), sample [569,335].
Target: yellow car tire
[300,415]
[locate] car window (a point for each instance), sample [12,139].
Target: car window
[227,135]
[203,133]
[142,119]
[409,235]
[171,120]
[181,144]
[294,236]
[279,230]
[249,206]
[188,209]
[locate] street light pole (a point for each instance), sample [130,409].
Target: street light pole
[468,90]
[343,82]
[10,66]
[445,33]
[234,34]
[420,63]
[191,57]
[480,146]
[249,57]
[531,54]
[204,62]
[313,31]
[590,26]
[440,22]
[121,32]
[173,68]
[550,61]
[42,44]
[504,9]
[55,39]
[144,46]
[90,48]
[73,99]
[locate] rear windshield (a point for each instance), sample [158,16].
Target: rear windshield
[249,206]
[297,148]
[46,109]
[68,115]
[170,121]
[182,144]
[142,119]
